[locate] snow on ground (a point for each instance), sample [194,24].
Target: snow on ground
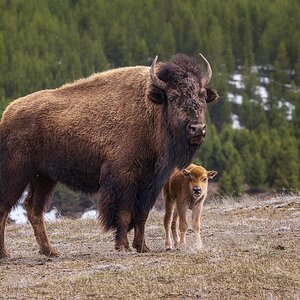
[235,98]
[90,214]
[264,80]
[235,122]
[52,215]
[289,107]
[19,216]
[237,81]
[262,92]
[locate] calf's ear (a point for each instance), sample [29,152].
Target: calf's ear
[157,95]
[211,174]
[212,95]
[186,173]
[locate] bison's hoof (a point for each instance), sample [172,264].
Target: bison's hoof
[123,248]
[141,249]
[50,252]
[168,248]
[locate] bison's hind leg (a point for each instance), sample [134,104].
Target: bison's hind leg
[11,189]
[40,192]
[139,231]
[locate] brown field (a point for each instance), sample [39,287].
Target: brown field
[251,250]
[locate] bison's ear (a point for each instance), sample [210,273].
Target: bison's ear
[157,95]
[211,174]
[212,95]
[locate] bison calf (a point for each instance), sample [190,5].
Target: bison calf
[185,189]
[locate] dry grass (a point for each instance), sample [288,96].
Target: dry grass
[251,250]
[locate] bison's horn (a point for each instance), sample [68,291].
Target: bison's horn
[207,77]
[156,81]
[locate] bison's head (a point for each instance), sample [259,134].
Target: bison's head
[181,87]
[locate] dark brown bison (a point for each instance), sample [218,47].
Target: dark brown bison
[119,133]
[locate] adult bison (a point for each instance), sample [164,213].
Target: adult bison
[119,133]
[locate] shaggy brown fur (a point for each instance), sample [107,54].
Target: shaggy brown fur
[185,189]
[114,133]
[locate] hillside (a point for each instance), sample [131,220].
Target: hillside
[251,250]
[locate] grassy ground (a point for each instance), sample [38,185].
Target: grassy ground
[251,250]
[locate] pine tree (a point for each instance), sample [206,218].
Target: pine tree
[287,164]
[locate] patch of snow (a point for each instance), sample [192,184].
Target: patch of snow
[52,215]
[235,122]
[237,81]
[264,80]
[262,92]
[289,107]
[237,77]
[90,214]
[235,98]
[18,215]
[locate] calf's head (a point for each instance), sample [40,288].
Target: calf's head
[181,87]
[198,180]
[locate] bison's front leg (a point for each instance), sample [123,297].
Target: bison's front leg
[139,232]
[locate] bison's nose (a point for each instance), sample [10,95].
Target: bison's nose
[197,129]
[196,190]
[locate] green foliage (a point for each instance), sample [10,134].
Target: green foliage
[287,165]
[70,202]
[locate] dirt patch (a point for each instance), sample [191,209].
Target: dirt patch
[251,250]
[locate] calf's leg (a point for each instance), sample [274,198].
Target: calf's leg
[40,192]
[196,222]
[174,228]
[183,225]
[169,209]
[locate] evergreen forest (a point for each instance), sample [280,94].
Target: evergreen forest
[253,46]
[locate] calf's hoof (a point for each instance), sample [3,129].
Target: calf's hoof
[168,246]
[181,247]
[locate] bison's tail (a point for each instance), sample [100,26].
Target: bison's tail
[115,198]
[107,213]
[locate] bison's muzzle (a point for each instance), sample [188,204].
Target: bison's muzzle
[196,133]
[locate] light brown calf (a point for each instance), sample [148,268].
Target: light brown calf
[185,189]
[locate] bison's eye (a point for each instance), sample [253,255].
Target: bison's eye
[203,95]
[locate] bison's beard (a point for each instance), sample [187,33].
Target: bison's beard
[196,140]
